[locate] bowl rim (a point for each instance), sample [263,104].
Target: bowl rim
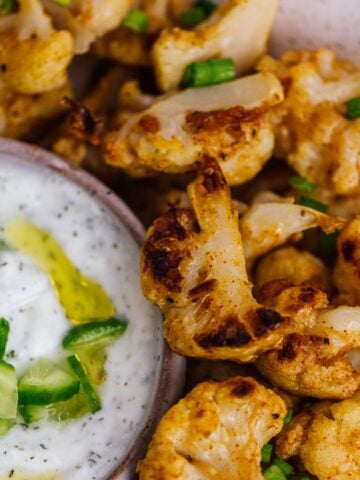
[172,373]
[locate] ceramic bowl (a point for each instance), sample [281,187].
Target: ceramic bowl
[172,369]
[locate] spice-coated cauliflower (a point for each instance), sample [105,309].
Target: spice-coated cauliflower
[312,131]
[237,28]
[291,264]
[21,115]
[33,55]
[87,19]
[193,268]
[326,437]
[266,225]
[215,432]
[320,362]
[227,121]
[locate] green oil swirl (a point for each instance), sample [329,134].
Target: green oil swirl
[81,297]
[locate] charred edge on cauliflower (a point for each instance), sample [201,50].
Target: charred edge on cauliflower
[212,181]
[149,124]
[348,248]
[83,122]
[294,344]
[229,119]
[202,289]
[231,333]
[161,258]
[242,388]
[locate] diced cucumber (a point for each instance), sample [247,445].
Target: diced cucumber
[77,406]
[4,333]
[46,383]
[8,391]
[91,395]
[93,360]
[5,426]
[94,332]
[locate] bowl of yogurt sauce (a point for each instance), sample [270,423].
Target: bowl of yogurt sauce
[69,251]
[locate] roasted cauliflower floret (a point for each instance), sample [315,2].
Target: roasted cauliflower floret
[215,432]
[312,131]
[265,226]
[22,115]
[320,362]
[33,56]
[88,19]
[228,122]
[193,268]
[327,439]
[296,266]
[237,28]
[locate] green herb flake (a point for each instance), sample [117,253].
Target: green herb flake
[288,417]
[353,108]
[302,184]
[312,203]
[136,20]
[266,453]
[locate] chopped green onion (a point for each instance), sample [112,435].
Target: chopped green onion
[136,20]
[207,5]
[7,6]
[285,467]
[288,416]
[312,203]
[353,108]
[4,333]
[266,452]
[193,17]
[64,3]
[302,184]
[328,244]
[274,473]
[210,72]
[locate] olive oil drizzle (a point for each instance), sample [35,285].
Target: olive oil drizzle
[82,298]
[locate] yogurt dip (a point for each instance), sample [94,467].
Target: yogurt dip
[88,448]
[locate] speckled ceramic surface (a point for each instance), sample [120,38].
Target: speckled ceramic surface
[309,24]
[173,367]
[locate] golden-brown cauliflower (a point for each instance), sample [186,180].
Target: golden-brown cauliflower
[320,362]
[312,131]
[346,275]
[23,116]
[237,28]
[193,268]
[130,48]
[227,121]
[88,19]
[291,264]
[33,55]
[268,224]
[215,432]
[326,437]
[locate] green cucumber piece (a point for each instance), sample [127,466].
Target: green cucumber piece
[8,391]
[46,383]
[76,407]
[5,426]
[4,333]
[91,395]
[94,332]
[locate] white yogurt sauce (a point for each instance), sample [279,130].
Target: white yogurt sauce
[94,240]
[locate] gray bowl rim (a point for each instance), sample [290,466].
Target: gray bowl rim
[172,374]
